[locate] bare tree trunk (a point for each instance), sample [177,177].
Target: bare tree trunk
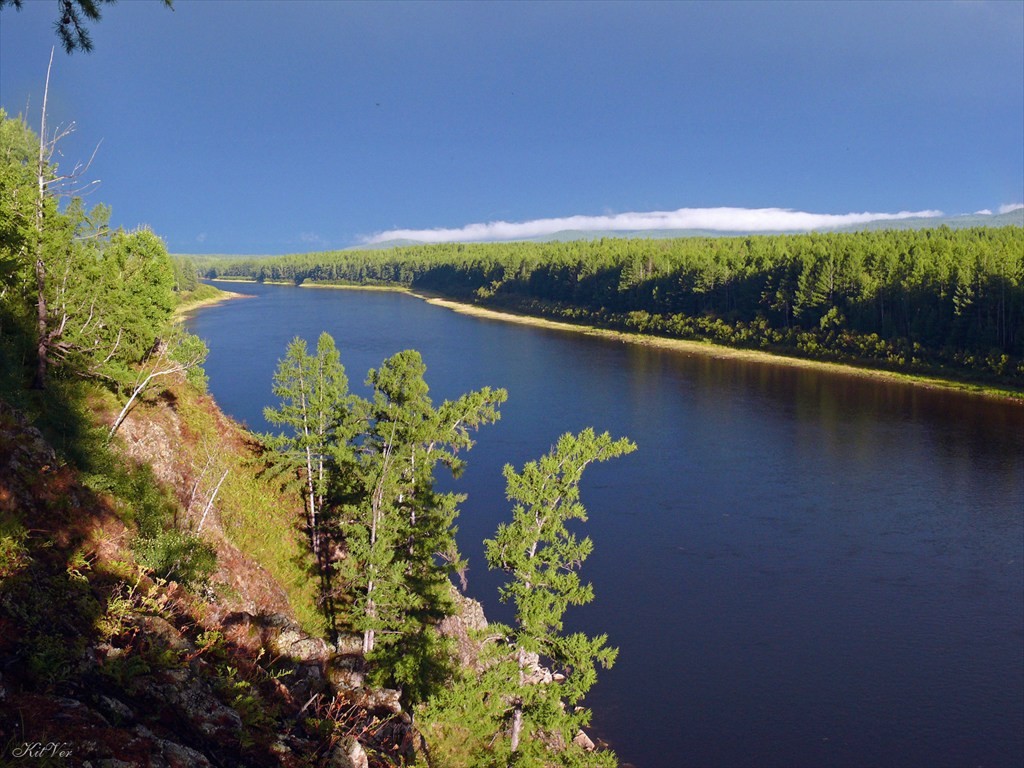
[376,519]
[177,368]
[124,411]
[209,504]
[42,348]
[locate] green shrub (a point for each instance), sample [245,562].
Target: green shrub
[13,552]
[178,556]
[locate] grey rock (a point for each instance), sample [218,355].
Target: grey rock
[180,756]
[156,627]
[582,740]
[348,754]
[115,710]
[296,644]
[349,645]
[345,680]
[379,699]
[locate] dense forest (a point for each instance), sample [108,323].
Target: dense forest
[932,301]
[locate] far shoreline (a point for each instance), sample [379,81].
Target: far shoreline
[180,312]
[710,349]
[704,348]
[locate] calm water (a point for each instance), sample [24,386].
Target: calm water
[800,569]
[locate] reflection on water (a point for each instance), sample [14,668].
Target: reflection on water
[800,568]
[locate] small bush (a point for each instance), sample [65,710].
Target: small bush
[13,552]
[178,556]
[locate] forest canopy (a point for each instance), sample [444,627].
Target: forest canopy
[936,301]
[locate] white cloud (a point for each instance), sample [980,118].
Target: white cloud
[716,219]
[983,212]
[1010,207]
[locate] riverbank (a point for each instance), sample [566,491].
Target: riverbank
[204,299]
[710,349]
[686,346]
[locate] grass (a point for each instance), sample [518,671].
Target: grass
[257,516]
[203,296]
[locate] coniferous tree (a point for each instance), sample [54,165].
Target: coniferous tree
[542,557]
[399,532]
[321,417]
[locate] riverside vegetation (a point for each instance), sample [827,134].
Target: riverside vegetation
[941,302]
[177,591]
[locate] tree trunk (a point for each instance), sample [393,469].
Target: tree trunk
[517,713]
[42,348]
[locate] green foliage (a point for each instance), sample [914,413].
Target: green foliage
[461,721]
[541,556]
[508,713]
[18,146]
[186,276]
[366,470]
[399,531]
[72,16]
[105,297]
[14,555]
[189,351]
[320,416]
[178,556]
[859,297]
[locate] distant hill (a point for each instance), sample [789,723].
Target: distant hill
[1011,219]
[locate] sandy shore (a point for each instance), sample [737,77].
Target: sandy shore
[180,312]
[718,351]
[679,345]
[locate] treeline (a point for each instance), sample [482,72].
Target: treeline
[78,299]
[941,300]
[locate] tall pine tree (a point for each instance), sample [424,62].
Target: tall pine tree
[542,556]
[399,531]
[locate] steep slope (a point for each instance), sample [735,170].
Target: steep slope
[102,662]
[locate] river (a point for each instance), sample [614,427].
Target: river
[800,568]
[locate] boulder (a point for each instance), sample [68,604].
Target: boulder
[349,753]
[468,618]
[349,645]
[296,644]
[583,741]
[379,699]
[345,680]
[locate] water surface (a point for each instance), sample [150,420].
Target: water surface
[800,568]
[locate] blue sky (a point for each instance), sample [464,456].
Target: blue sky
[276,127]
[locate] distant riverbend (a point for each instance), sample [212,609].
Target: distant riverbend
[799,567]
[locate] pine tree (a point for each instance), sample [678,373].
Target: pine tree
[322,417]
[542,556]
[399,531]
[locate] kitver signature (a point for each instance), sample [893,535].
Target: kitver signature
[35,749]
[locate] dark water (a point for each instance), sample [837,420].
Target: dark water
[800,569]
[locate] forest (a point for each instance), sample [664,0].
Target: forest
[941,301]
